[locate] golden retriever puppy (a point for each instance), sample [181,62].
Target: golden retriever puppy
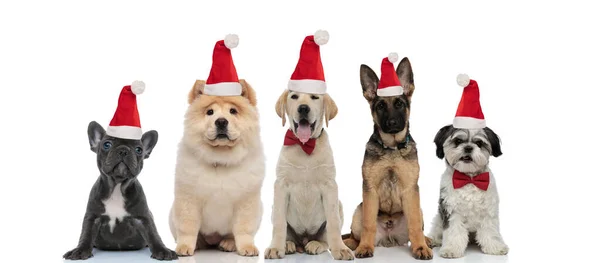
[219,173]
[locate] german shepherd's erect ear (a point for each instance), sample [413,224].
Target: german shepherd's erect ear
[369,82]
[405,74]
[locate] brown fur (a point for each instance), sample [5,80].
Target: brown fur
[390,176]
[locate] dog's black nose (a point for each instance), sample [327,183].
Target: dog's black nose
[392,123]
[221,123]
[123,152]
[468,149]
[303,109]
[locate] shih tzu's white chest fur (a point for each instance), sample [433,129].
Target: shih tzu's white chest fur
[114,207]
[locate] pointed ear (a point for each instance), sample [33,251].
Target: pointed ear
[405,74]
[369,82]
[494,141]
[95,135]
[440,138]
[248,92]
[149,140]
[331,109]
[196,91]
[281,105]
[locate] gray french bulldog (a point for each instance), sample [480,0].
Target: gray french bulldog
[117,215]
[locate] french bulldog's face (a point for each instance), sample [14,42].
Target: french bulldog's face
[117,158]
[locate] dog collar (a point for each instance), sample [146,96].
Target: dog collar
[481,181]
[308,147]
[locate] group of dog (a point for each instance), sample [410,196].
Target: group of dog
[221,166]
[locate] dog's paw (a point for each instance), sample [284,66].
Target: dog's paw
[248,250]
[274,253]
[78,254]
[342,254]
[422,252]
[496,249]
[290,247]
[315,247]
[351,243]
[433,242]
[227,245]
[164,254]
[184,250]
[364,251]
[451,252]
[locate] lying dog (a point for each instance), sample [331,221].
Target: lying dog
[390,167]
[219,174]
[468,204]
[117,215]
[307,214]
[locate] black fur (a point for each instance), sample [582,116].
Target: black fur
[494,141]
[440,138]
[443,213]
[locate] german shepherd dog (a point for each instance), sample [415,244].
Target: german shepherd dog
[390,169]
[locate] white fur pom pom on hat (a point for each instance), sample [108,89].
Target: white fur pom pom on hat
[231,41]
[393,57]
[463,80]
[321,37]
[138,87]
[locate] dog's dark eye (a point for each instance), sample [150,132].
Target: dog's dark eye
[380,106]
[398,104]
[314,97]
[294,97]
[479,143]
[107,145]
[233,111]
[458,141]
[210,112]
[138,150]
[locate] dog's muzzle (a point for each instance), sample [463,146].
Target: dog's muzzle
[221,124]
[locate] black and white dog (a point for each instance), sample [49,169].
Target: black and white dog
[468,204]
[117,215]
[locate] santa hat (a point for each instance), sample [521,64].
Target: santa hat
[125,124]
[389,84]
[223,79]
[308,77]
[469,114]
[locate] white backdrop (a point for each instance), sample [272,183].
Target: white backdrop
[63,64]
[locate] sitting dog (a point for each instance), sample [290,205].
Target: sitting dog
[390,167]
[468,204]
[219,174]
[307,215]
[117,215]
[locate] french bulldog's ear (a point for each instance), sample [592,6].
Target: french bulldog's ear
[196,90]
[494,141]
[281,105]
[369,82]
[149,140]
[95,135]
[405,75]
[440,138]
[248,92]
[331,109]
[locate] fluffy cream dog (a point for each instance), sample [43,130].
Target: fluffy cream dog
[219,173]
[307,215]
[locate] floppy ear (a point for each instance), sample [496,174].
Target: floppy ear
[369,82]
[149,140]
[196,91]
[95,135]
[440,138]
[331,109]
[494,141]
[405,74]
[248,92]
[280,106]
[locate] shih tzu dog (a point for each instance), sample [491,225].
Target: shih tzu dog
[468,204]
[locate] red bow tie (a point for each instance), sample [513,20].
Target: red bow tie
[482,181]
[291,139]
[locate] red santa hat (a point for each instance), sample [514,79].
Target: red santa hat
[308,77]
[125,124]
[469,114]
[223,79]
[389,84]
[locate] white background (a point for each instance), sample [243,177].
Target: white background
[63,64]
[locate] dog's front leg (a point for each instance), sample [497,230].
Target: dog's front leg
[455,238]
[333,230]
[157,247]
[187,221]
[489,239]
[412,209]
[89,232]
[246,220]
[277,249]
[370,207]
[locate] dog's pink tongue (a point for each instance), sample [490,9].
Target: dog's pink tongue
[303,133]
